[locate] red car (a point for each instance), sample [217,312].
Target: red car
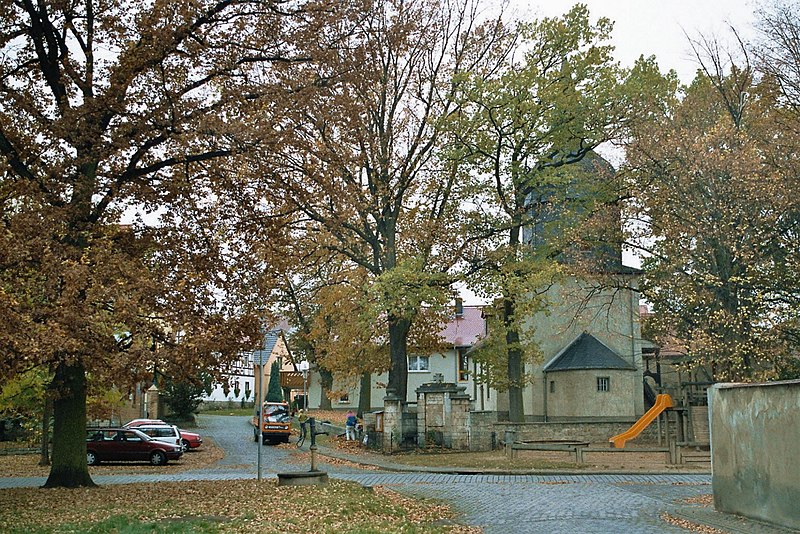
[129,445]
[191,440]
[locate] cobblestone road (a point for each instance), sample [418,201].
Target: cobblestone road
[570,503]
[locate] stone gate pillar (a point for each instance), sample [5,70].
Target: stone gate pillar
[443,415]
[151,402]
[392,421]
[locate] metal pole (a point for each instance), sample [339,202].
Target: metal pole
[260,411]
[305,391]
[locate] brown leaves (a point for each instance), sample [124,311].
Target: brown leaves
[27,465]
[234,506]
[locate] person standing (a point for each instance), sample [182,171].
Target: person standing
[350,426]
[302,418]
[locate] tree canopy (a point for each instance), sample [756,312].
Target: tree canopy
[118,134]
[715,177]
[523,127]
[362,166]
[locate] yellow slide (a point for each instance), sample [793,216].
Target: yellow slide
[663,401]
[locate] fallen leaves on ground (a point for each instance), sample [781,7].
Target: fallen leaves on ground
[690,526]
[231,506]
[703,500]
[27,465]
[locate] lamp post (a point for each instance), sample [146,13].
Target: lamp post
[303,366]
[259,410]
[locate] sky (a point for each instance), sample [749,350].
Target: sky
[656,27]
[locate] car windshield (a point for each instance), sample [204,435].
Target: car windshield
[276,413]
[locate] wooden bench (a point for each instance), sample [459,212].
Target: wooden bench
[571,447]
[581,448]
[669,451]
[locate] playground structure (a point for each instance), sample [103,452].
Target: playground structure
[663,402]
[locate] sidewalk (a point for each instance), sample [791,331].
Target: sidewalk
[705,517]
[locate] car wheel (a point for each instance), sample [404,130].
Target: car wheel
[158,458]
[91,458]
[185,445]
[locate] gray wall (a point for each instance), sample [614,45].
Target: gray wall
[575,394]
[755,450]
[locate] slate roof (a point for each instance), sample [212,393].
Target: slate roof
[270,339]
[587,352]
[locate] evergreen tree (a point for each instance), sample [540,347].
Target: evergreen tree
[274,393]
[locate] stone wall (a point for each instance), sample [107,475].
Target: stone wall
[592,431]
[482,433]
[755,447]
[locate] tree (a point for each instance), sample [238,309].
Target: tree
[362,165]
[184,396]
[111,109]
[524,128]
[714,185]
[274,392]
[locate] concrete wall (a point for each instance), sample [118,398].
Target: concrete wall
[755,450]
[575,394]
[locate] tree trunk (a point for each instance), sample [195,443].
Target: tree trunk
[398,346]
[69,468]
[365,394]
[516,409]
[44,458]
[326,383]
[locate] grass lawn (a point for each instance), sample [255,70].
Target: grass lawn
[221,506]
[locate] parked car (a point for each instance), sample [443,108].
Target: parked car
[127,444]
[190,440]
[166,433]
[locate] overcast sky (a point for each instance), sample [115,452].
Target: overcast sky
[655,27]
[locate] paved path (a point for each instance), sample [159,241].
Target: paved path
[568,503]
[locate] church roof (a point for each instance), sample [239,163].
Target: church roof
[587,352]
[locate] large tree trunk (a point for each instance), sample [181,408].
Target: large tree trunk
[398,347]
[516,410]
[69,468]
[365,394]
[44,458]
[326,383]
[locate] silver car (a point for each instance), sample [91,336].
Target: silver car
[164,433]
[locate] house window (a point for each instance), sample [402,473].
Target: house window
[603,383]
[344,398]
[418,363]
[552,386]
[463,365]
